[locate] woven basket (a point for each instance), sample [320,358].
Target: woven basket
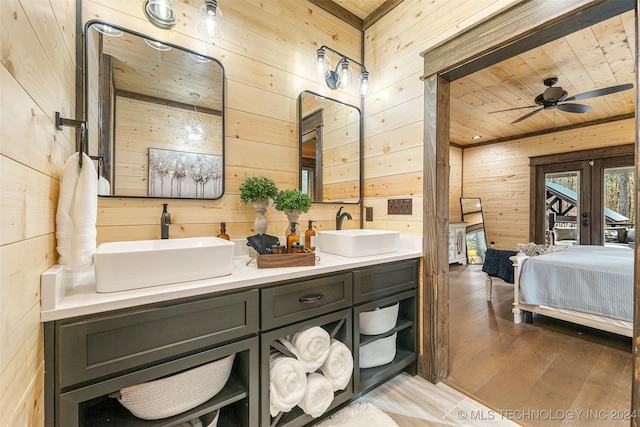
[379,320]
[177,393]
[379,352]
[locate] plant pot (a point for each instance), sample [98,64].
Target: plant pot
[260,223]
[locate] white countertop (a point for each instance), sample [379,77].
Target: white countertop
[66,294]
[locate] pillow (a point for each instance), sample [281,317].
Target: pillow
[631,236]
[533,249]
[565,233]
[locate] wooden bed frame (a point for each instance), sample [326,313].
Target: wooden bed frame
[523,312]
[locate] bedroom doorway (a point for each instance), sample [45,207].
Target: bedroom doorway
[584,198]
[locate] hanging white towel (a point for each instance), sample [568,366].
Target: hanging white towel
[287,383]
[77,212]
[339,365]
[317,396]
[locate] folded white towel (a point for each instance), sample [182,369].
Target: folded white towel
[310,346]
[339,365]
[318,395]
[287,384]
[77,212]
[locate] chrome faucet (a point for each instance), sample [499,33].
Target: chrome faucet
[165,222]
[340,217]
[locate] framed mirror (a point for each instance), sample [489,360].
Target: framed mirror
[330,136]
[155,116]
[472,215]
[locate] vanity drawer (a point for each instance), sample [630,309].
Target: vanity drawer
[379,281]
[102,345]
[285,304]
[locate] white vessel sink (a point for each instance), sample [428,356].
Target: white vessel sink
[137,264]
[359,242]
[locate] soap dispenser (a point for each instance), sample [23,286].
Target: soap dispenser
[310,237]
[293,237]
[223,231]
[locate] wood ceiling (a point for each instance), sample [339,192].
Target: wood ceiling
[597,57]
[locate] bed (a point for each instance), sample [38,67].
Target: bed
[587,285]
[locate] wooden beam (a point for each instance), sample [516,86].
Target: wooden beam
[502,36]
[340,12]
[167,102]
[377,14]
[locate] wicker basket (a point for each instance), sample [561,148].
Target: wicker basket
[177,393]
[379,352]
[379,321]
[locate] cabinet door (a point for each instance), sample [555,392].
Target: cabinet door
[101,345]
[375,282]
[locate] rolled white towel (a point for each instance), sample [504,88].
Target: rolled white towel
[77,212]
[339,365]
[310,346]
[318,395]
[287,384]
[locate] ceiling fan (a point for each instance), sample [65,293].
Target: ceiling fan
[556,97]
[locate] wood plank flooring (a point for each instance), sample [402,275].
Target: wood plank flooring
[549,373]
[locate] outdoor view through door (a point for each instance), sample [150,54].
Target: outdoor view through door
[587,202]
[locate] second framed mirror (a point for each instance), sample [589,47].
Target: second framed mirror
[330,137]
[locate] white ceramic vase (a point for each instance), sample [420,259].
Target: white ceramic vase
[260,223]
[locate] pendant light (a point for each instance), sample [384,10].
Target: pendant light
[161,13]
[211,20]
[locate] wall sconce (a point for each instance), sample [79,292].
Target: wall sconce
[342,75]
[210,20]
[161,13]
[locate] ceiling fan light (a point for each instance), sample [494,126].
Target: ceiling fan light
[210,25]
[161,13]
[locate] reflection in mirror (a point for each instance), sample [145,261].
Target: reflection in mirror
[155,115]
[330,149]
[476,239]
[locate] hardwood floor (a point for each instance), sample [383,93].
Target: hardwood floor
[548,373]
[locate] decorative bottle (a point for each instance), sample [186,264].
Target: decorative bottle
[293,237]
[310,237]
[223,231]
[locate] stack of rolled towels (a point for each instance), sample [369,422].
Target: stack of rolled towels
[321,366]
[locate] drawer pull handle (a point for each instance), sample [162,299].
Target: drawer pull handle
[309,299]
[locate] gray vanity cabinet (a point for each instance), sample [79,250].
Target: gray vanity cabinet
[90,357]
[379,287]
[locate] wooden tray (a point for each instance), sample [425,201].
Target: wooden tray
[286,260]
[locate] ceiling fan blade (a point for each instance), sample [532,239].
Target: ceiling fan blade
[512,109]
[573,108]
[526,116]
[600,92]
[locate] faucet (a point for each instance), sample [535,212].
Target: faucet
[340,217]
[165,222]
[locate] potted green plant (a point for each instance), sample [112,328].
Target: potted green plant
[292,203]
[258,191]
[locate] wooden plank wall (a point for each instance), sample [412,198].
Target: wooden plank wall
[267,54]
[37,78]
[499,174]
[393,111]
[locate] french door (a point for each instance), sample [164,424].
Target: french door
[587,202]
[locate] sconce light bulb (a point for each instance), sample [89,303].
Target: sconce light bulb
[321,63]
[364,83]
[210,20]
[161,13]
[345,74]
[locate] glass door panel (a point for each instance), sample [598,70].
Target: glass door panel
[618,204]
[563,207]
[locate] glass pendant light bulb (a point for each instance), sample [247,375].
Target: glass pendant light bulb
[321,63]
[364,83]
[211,20]
[345,74]
[161,13]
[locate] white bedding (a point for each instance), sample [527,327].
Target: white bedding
[590,279]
